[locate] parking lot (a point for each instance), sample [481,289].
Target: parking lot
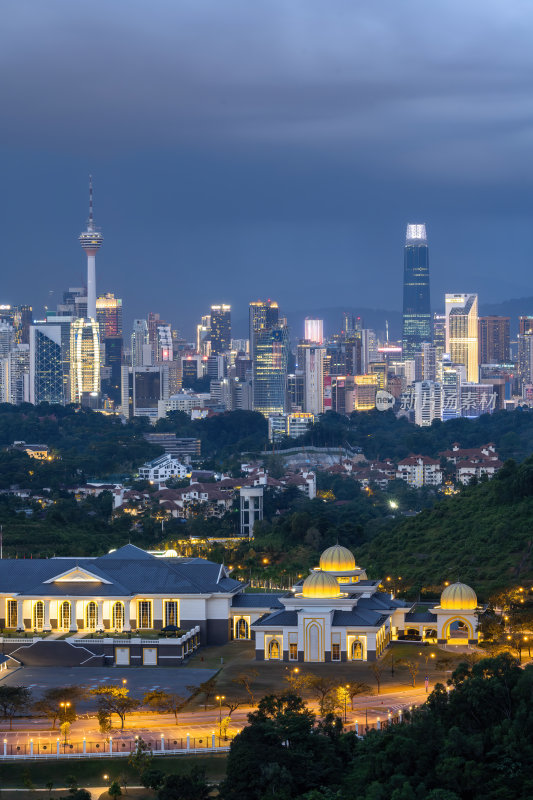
[139,679]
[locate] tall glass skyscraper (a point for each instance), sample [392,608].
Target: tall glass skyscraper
[417,327]
[271,355]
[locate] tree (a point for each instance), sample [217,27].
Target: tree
[187,786]
[207,688]
[377,668]
[245,679]
[413,667]
[114,789]
[323,690]
[49,705]
[355,688]
[152,778]
[165,702]
[233,703]
[141,758]
[13,700]
[114,700]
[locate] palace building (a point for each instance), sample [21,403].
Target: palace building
[335,614]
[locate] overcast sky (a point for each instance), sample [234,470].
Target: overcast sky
[254,148]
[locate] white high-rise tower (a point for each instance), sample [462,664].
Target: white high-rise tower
[91,240]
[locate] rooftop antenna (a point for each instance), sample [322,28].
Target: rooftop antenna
[1,541]
[90,226]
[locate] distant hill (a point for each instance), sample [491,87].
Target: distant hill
[482,537]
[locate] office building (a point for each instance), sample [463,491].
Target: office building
[369,349]
[163,349]
[7,338]
[429,362]
[462,332]
[270,362]
[20,317]
[139,340]
[365,388]
[220,335]
[203,334]
[114,347]
[84,359]
[313,368]
[296,390]
[109,316]
[314,330]
[264,315]
[149,386]
[417,327]
[339,394]
[46,365]
[74,303]
[494,336]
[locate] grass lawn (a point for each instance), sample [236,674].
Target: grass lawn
[89,772]
[238,657]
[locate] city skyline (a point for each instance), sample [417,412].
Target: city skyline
[309,162]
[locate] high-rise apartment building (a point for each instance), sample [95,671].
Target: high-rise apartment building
[264,314]
[109,315]
[417,327]
[46,364]
[494,335]
[18,374]
[270,362]
[84,359]
[220,334]
[314,330]
[462,332]
[428,402]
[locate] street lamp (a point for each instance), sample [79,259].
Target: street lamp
[124,681]
[220,698]
[346,688]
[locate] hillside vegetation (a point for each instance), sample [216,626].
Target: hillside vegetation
[483,537]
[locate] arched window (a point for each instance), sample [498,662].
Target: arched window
[273,649]
[357,650]
[64,616]
[118,616]
[38,615]
[241,629]
[91,615]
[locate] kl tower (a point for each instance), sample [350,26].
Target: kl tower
[91,240]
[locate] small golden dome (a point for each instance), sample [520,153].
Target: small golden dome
[319,584]
[337,559]
[457,597]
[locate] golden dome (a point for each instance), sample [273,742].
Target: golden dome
[319,584]
[337,559]
[457,597]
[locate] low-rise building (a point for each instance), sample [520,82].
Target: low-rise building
[418,471]
[163,468]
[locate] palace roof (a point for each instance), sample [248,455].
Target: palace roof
[126,571]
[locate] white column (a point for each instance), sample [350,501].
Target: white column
[46,623]
[84,744]
[99,615]
[20,614]
[213,744]
[188,741]
[73,616]
[110,744]
[127,617]
[378,724]
[57,746]
[162,741]
[31,747]
[5,747]
[357,729]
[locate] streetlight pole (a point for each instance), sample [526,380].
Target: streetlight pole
[220,698]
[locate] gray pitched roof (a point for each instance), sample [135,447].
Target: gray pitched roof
[358,617]
[288,618]
[253,600]
[420,616]
[129,571]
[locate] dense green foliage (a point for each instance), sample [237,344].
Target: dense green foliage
[223,435]
[381,435]
[475,742]
[482,537]
[83,444]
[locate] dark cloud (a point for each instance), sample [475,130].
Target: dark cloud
[270,147]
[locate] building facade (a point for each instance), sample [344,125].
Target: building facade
[416,298]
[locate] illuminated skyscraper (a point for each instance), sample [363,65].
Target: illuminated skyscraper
[263,314]
[271,355]
[314,330]
[220,329]
[139,343]
[462,332]
[314,379]
[109,315]
[84,359]
[417,327]
[46,364]
[494,334]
